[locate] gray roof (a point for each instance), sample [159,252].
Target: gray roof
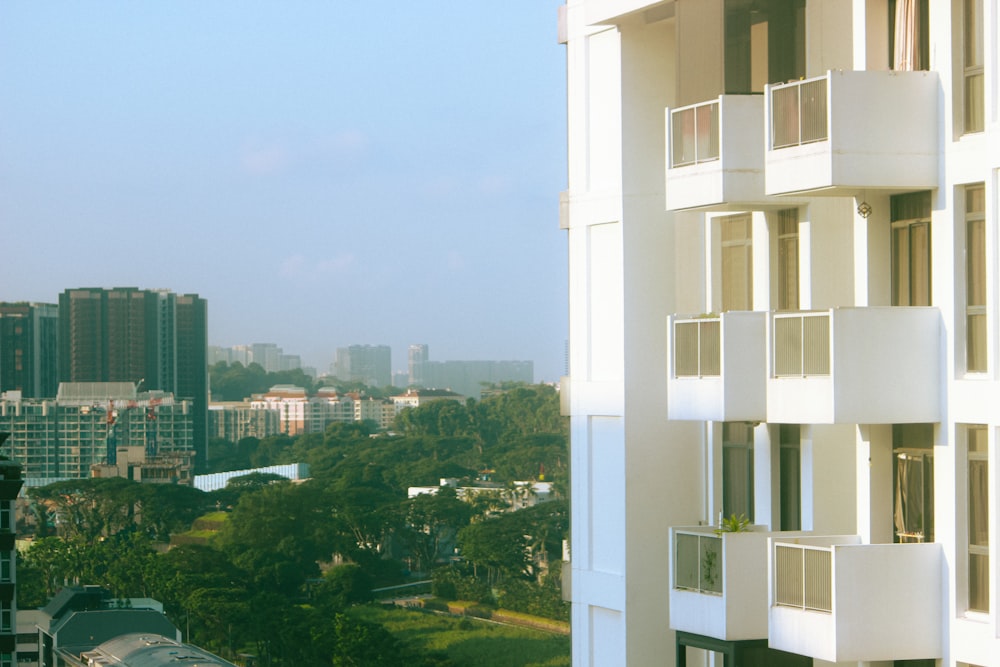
[89,392]
[152,650]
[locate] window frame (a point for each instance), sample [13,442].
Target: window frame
[730,247]
[973,57]
[787,226]
[909,213]
[978,459]
[976,356]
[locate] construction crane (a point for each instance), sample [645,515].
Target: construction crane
[111,420]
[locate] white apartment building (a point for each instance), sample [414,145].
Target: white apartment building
[783,281]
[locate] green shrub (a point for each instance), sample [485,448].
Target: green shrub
[435,604]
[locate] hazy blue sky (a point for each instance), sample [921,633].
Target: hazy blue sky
[323,172]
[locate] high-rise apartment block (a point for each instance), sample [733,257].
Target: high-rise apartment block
[96,423]
[28,349]
[153,337]
[782,220]
[417,355]
[368,364]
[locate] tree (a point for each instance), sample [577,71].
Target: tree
[343,586]
[90,508]
[278,534]
[433,521]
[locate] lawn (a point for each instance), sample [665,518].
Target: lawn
[469,641]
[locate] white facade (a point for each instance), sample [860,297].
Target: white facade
[783,302]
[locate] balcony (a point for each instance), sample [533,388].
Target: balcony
[844,132]
[717,367]
[717,583]
[854,366]
[834,599]
[715,154]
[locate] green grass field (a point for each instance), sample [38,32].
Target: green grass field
[468,641]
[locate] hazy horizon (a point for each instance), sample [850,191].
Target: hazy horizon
[322,176]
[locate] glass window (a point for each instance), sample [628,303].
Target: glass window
[979,528]
[737,469]
[913,482]
[975,268]
[973,98]
[737,263]
[911,249]
[909,47]
[788,259]
[790,464]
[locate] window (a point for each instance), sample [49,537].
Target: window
[790,466]
[765,42]
[913,482]
[737,263]
[973,100]
[975,269]
[979,528]
[909,47]
[6,567]
[911,249]
[737,469]
[788,259]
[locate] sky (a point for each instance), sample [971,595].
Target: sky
[324,173]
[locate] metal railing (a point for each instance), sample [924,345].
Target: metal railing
[799,112]
[698,563]
[694,134]
[801,344]
[803,577]
[697,347]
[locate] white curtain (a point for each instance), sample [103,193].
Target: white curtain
[906,55]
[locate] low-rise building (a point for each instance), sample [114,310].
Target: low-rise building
[86,627]
[414,398]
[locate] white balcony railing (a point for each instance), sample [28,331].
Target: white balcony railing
[801,344]
[803,577]
[697,347]
[694,134]
[798,113]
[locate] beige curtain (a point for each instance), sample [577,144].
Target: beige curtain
[906,55]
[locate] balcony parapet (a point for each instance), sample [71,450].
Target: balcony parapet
[877,365]
[847,131]
[715,154]
[716,367]
[718,584]
[835,599]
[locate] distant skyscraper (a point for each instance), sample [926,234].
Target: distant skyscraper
[369,364]
[418,354]
[28,349]
[125,334]
[469,377]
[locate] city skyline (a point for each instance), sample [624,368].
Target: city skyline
[319,178]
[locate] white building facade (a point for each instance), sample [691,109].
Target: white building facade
[783,276]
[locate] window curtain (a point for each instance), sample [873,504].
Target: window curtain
[906,55]
[909,511]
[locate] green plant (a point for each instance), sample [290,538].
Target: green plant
[734,524]
[709,573]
